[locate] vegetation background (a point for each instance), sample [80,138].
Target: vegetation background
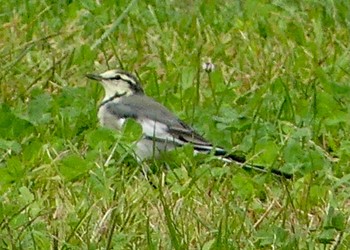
[279,94]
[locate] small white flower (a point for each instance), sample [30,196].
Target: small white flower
[208,67]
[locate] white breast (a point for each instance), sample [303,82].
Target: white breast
[109,120]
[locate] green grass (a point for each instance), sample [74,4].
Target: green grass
[280,94]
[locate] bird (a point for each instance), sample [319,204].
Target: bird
[162,130]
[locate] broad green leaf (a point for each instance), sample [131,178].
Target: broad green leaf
[26,195]
[11,126]
[38,109]
[327,236]
[101,137]
[10,145]
[73,166]
[131,131]
[14,171]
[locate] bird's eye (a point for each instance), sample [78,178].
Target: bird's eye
[117,77]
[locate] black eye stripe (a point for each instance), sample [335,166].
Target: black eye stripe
[117,77]
[130,79]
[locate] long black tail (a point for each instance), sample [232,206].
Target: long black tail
[242,161]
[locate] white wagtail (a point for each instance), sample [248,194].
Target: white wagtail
[162,130]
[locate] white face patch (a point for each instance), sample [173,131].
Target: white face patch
[114,82]
[115,86]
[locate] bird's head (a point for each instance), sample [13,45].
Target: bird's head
[118,82]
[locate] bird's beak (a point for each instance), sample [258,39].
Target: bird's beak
[94,77]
